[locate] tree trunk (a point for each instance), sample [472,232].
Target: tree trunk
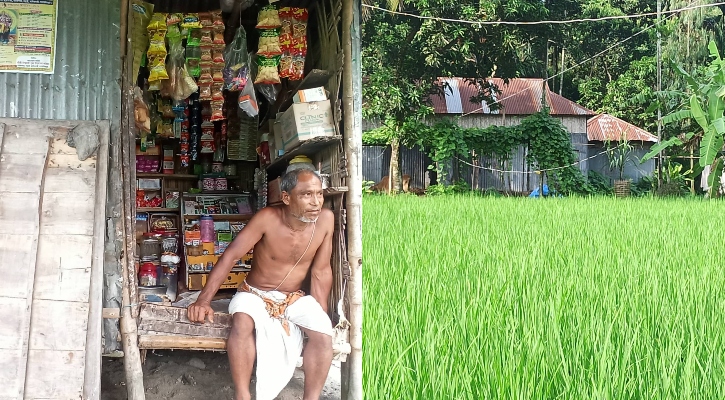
[394,183]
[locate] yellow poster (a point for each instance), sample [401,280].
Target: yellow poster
[27,35]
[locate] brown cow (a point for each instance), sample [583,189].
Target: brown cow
[384,184]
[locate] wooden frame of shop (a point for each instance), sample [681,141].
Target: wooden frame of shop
[333,56]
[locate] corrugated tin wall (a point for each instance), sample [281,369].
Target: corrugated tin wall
[85,85]
[414,162]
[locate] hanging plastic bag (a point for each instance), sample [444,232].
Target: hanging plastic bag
[248,100]
[236,62]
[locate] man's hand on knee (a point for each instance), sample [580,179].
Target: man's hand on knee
[198,312]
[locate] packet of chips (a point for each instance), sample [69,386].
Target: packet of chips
[191,21]
[268,18]
[299,53]
[267,72]
[269,44]
[194,38]
[285,17]
[206,36]
[173,19]
[158,21]
[205,19]
[299,22]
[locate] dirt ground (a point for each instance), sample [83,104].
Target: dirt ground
[196,375]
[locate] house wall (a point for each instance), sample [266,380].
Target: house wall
[633,169]
[376,159]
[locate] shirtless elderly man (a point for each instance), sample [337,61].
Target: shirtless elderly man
[269,308]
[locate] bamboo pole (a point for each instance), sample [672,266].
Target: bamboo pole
[352,103]
[129,332]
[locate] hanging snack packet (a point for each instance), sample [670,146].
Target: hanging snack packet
[205,92]
[206,75]
[285,62]
[205,19]
[217,110]
[285,17]
[206,36]
[158,21]
[206,53]
[217,73]
[173,19]
[268,18]
[193,60]
[218,55]
[217,19]
[157,69]
[299,53]
[269,42]
[267,72]
[157,44]
[194,38]
[218,35]
[173,34]
[299,24]
[191,21]
[217,91]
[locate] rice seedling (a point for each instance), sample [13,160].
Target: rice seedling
[483,298]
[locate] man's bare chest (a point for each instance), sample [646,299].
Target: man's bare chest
[286,247]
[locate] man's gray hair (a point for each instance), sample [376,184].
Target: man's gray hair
[290,178]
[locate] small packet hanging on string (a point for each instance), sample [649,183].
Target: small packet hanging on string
[267,72]
[218,55]
[217,19]
[206,53]
[191,21]
[285,17]
[217,73]
[157,43]
[205,92]
[217,91]
[299,53]
[285,62]
[218,35]
[193,61]
[269,42]
[206,36]
[217,110]
[194,38]
[173,19]
[158,21]
[206,75]
[205,19]
[157,69]
[299,22]
[268,18]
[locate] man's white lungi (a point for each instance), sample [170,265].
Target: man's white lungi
[277,352]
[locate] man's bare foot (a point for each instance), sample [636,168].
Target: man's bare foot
[243,396]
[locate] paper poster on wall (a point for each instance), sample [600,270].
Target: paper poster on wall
[27,36]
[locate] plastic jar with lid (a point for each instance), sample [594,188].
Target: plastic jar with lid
[148,275]
[207,228]
[170,243]
[151,246]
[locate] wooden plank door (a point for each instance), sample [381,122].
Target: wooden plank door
[51,248]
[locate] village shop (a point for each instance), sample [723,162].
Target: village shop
[216,102]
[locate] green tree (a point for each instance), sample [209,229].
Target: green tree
[403,57]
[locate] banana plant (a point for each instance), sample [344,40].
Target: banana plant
[706,106]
